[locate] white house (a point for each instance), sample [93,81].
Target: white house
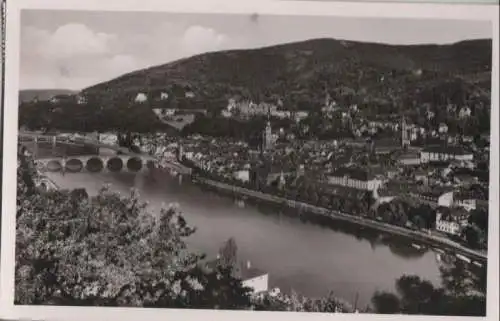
[80,99]
[447,226]
[189,94]
[255,279]
[464,112]
[443,128]
[445,153]
[242,175]
[451,220]
[163,96]
[140,98]
[446,199]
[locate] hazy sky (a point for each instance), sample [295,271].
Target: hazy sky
[73,50]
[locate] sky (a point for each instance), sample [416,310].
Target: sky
[77,49]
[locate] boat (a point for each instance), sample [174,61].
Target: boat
[477,264]
[438,258]
[463,258]
[240,203]
[440,251]
[418,247]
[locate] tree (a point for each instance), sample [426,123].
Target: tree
[472,236]
[229,253]
[386,303]
[417,296]
[479,217]
[72,249]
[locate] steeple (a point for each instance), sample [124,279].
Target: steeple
[405,141]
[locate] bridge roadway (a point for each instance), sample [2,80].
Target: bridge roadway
[126,160]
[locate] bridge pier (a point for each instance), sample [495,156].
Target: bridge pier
[180,179]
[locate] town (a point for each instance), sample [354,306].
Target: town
[420,177]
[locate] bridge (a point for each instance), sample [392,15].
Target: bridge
[121,160]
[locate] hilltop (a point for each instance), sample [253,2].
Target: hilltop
[42,94]
[302,72]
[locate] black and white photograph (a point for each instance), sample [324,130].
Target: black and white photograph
[255,162]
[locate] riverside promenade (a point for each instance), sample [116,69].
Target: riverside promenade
[429,239]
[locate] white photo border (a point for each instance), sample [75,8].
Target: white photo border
[296,8]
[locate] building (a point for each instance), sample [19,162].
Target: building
[405,133]
[254,278]
[268,140]
[140,98]
[81,100]
[410,158]
[464,112]
[451,220]
[355,178]
[163,96]
[242,175]
[445,153]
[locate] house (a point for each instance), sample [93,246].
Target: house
[81,100]
[242,175]
[385,146]
[451,220]
[421,176]
[410,158]
[140,98]
[163,96]
[434,196]
[445,153]
[464,112]
[253,278]
[443,128]
[189,94]
[355,178]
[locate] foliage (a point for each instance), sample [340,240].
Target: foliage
[72,249]
[229,253]
[110,250]
[463,294]
[296,302]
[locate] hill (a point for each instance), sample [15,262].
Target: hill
[302,73]
[42,94]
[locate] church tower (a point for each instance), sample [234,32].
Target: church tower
[268,137]
[405,139]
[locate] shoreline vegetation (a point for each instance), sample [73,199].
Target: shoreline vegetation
[60,260]
[336,215]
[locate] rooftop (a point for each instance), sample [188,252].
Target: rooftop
[356,173]
[453,150]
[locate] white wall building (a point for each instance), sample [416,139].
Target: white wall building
[242,175]
[355,178]
[442,153]
[447,226]
[140,98]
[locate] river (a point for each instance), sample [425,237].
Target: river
[310,258]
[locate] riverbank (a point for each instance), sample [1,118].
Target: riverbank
[428,239]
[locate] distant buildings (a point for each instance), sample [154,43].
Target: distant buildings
[445,153]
